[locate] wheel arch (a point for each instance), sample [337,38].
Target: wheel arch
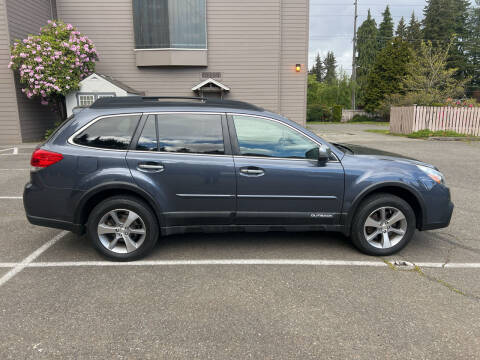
[407,193]
[97,194]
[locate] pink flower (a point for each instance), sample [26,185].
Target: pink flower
[44,102]
[69,26]
[10,64]
[38,59]
[23,55]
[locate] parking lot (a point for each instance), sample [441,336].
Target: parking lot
[246,295]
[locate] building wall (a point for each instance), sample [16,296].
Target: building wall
[254,44]
[25,17]
[9,126]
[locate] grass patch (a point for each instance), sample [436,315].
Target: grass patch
[422,134]
[371,122]
[382,131]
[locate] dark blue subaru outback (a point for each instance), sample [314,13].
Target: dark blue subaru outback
[127,170]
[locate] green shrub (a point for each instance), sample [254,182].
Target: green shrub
[318,112]
[49,132]
[337,113]
[363,118]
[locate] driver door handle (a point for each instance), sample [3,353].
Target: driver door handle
[252,171]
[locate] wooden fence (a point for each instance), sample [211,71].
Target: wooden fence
[348,115]
[408,119]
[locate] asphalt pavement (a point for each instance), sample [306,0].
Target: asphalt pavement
[246,295]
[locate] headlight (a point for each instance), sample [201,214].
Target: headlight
[433,174]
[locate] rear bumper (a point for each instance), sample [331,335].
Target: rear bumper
[443,222]
[57,224]
[51,204]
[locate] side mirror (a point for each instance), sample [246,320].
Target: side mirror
[321,153]
[324,154]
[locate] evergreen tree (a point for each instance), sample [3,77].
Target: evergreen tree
[390,68]
[319,69]
[385,29]
[401,29]
[444,20]
[366,52]
[330,64]
[414,32]
[472,48]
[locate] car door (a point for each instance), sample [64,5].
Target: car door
[184,160]
[278,183]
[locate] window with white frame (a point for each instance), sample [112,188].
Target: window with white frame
[85,100]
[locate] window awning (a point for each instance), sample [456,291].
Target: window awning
[210,85]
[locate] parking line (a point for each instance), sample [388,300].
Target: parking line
[28,262]
[24,263]
[11,197]
[211,262]
[245,262]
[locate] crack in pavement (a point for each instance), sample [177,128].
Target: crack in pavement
[417,269]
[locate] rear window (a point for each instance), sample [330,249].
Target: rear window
[113,132]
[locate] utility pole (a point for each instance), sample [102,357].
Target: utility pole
[354,56]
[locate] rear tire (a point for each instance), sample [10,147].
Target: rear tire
[383,225]
[123,228]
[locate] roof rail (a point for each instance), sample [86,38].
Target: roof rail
[139,101]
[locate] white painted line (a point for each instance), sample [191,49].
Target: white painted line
[14,169]
[15,151]
[243,262]
[24,263]
[462,265]
[430,264]
[211,262]
[11,197]
[8,265]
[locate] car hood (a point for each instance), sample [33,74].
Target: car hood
[367,152]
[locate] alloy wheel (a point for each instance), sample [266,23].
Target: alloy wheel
[385,227]
[121,231]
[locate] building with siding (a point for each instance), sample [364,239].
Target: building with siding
[169,48]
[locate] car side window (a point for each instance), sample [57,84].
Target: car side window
[190,133]
[113,132]
[148,138]
[268,138]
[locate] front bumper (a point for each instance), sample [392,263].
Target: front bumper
[443,222]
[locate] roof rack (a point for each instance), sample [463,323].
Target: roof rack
[139,101]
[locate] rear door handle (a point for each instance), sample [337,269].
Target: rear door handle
[151,167]
[252,171]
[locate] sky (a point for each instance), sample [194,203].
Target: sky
[331,24]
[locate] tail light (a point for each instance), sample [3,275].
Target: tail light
[43,158]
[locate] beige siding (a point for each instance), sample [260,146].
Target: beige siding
[294,50]
[9,128]
[25,17]
[254,44]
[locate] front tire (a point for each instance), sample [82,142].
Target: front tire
[123,228]
[383,225]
